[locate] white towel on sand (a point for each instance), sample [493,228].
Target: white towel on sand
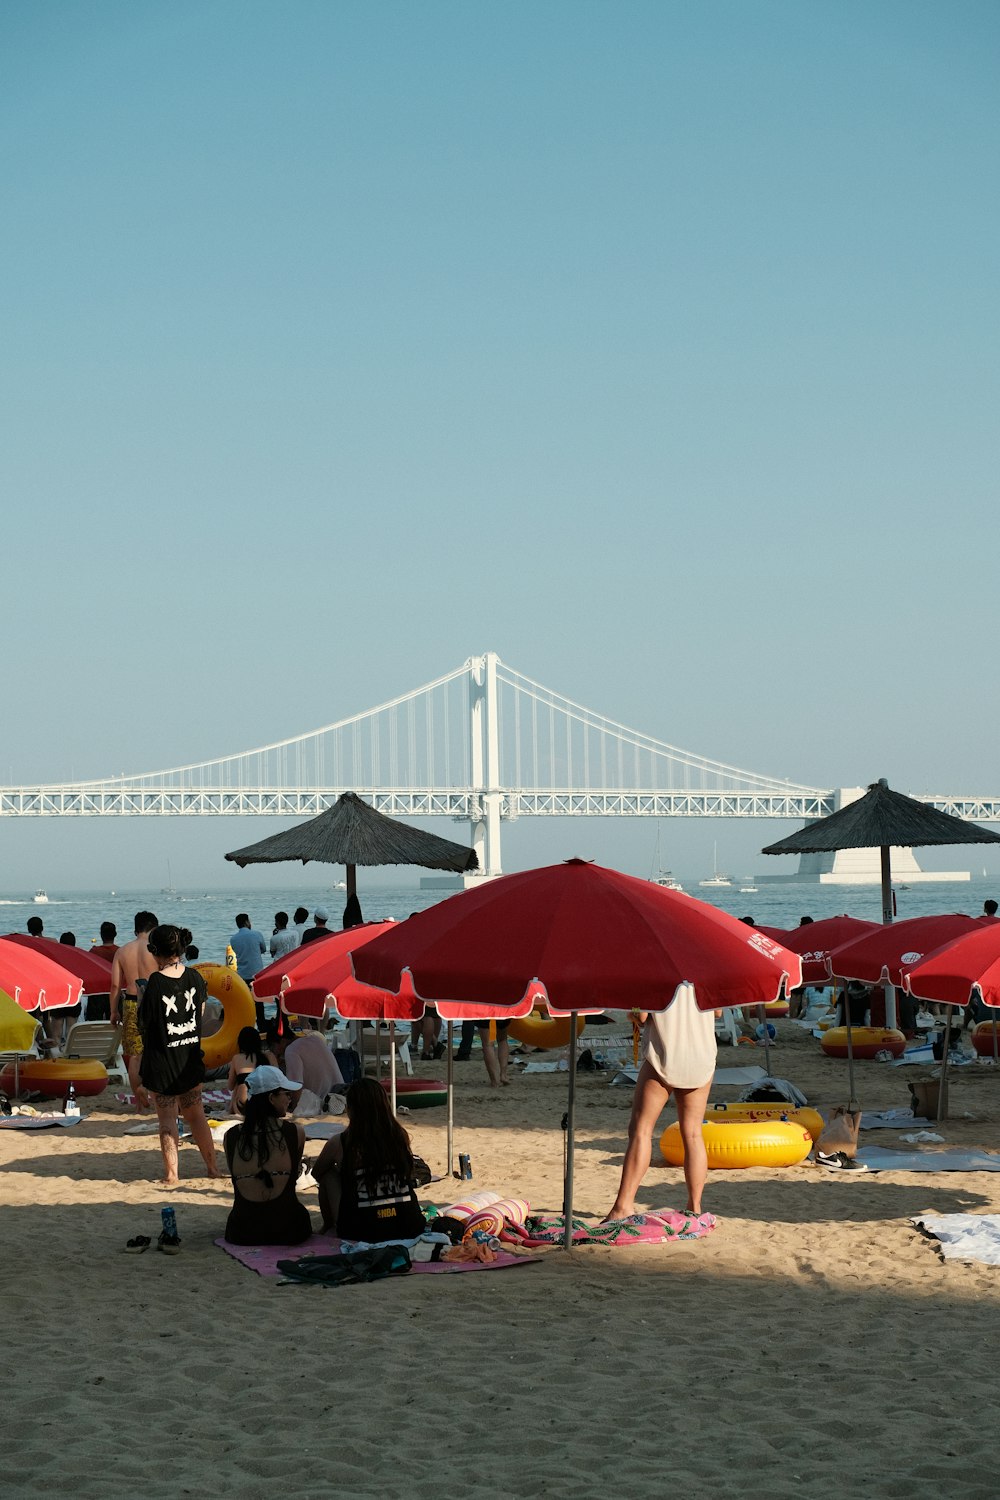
[964,1236]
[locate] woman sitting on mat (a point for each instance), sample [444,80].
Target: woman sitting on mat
[678,1059]
[366,1175]
[264,1153]
[252,1054]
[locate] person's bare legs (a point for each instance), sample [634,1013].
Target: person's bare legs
[490,1059]
[503,1053]
[166,1119]
[650,1097]
[201,1134]
[690,1116]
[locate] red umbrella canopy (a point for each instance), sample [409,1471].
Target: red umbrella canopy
[34,981]
[91,969]
[589,937]
[323,962]
[815,941]
[308,978]
[883,955]
[951,974]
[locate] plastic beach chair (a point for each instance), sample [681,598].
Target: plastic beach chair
[101,1040]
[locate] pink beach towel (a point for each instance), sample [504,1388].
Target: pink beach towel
[264,1258]
[651,1228]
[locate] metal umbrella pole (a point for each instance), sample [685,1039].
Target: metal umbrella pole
[451,1101]
[942,1109]
[996,1054]
[392,1066]
[570,1144]
[852,1103]
[762,1017]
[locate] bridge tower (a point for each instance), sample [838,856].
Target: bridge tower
[485,732]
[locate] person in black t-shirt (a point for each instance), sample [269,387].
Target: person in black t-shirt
[171,1066]
[366,1175]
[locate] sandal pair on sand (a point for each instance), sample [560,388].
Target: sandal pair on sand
[170,1244]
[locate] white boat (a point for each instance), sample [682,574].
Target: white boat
[40,898]
[748,888]
[716,881]
[340,885]
[664,878]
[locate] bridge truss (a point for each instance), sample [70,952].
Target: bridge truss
[482,744]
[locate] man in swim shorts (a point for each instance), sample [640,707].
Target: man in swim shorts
[130,968]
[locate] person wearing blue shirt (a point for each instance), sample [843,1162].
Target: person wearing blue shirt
[249,947]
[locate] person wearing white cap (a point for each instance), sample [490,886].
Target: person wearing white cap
[320,916]
[264,1153]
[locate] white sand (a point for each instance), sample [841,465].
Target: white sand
[814,1345]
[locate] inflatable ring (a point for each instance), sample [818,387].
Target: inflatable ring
[238,1010]
[866,1041]
[982,1038]
[760,1143]
[542,1030]
[52,1078]
[419,1093]
[809,1119]
[776,1009]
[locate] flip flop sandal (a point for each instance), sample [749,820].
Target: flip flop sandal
[139,1244]
[170,1244]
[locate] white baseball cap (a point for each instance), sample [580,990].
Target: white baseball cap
[265,1080]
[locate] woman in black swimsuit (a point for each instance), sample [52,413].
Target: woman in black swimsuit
[366,1175]
[264,1153]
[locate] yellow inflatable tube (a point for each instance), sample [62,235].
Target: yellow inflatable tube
[758,1143]
[238,1010]
[542,1030]
[745,1114]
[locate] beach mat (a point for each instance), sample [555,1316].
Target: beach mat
[264,1258]
[654,1227]
[973,1237]
[37,1122]
[879,1159]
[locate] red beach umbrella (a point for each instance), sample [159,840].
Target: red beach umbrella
[967,966]
[33,980]
[883,955]
[815,941]
[91,969]
[308,977]
[589,938]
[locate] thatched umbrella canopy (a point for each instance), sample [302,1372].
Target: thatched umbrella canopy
[882,819]
[352,833]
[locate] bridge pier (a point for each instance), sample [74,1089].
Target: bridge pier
[484,730]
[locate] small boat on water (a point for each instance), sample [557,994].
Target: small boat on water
[40,898]
[716,881]
[664,878]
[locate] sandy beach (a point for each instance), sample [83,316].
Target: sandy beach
[814,1344]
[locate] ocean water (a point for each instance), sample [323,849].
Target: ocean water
[210,914]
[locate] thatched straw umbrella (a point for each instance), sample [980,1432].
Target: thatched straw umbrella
[883,819]
[353,833]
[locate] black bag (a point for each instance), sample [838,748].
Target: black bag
[422,1173]
[349,1269]
[349,1063]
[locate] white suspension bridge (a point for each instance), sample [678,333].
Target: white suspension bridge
[482,744]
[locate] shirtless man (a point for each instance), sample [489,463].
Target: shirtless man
[130,968]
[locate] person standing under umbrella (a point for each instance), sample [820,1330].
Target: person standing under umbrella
[679,1055]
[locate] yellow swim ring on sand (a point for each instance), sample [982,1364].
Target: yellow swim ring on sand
[757,1143]
[542,1030]
[743,1114]
[238,1010]
[866,1041]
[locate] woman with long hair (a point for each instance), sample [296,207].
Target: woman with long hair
[366,1175]
[171,1067]
[264,1155]
[251,1053]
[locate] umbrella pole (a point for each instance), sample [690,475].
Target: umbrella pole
[378,1050]
[762,1017]
[451,1101]
[570,1122]
[996,1055]
[852,1103]
[890,993]
[942,1109]
[352,880]
[392,1066]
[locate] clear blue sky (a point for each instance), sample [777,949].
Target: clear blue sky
[651,345]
